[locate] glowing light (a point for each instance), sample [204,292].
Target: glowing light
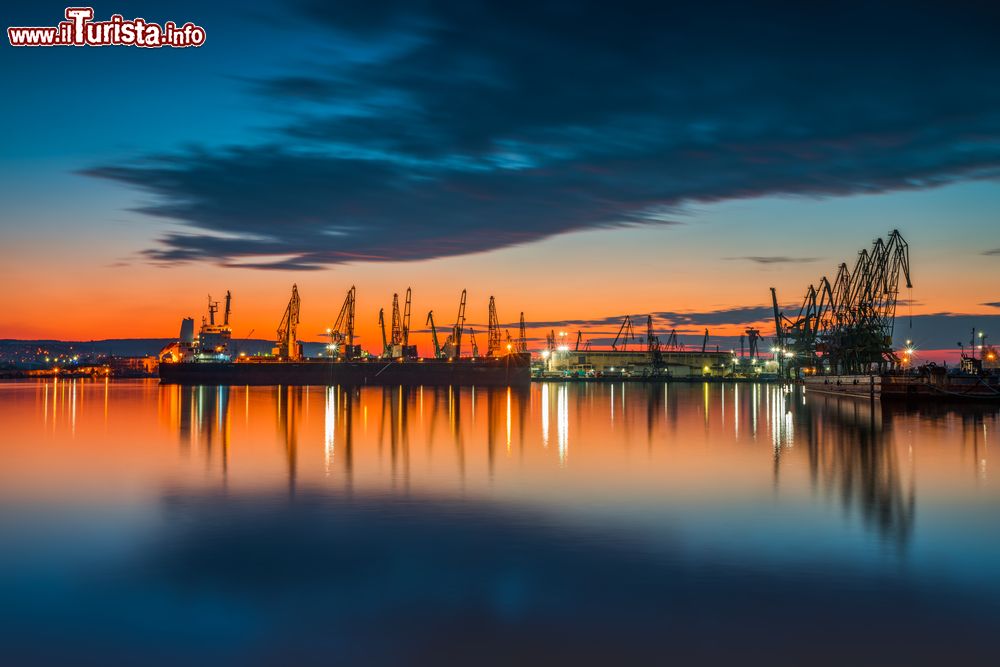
[545,354]
[563,348]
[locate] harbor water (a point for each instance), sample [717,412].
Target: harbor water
[564,523]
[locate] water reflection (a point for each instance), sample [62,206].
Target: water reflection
[848,447]
[313,518]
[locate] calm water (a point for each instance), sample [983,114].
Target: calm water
[600,524]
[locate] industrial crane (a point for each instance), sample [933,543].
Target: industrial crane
[434,335]
[288,346]
[229,302]
[653,344]
[753,335]
[672,342]
[396,337]
[848,324]
[704,342]
[579,340]
[493,331]
[381,325]
[625,333]
[342,332]
[406,321]
[522,340]
[475,348]
[453,344]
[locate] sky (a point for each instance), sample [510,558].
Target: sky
[579,161]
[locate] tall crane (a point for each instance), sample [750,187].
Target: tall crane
[625,333]
[434,335]
[704,342]
[493,331]
[229,303]
[342,332]
[579,340]
[396,337]
[288,345]
[453,344]
[522,339]
[653,344]
[381,325]
[475,348]
[753,335]
[672,343]
[406,321]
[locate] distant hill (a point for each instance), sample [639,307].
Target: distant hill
[140,347]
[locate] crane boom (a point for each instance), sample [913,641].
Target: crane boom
[522,340]
[625,333]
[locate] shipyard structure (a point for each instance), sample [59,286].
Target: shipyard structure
[208,357]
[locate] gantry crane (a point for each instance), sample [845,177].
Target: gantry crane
[288,346]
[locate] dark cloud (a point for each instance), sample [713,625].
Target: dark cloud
[462,127]
[994,251]
[993,304]
[775,259]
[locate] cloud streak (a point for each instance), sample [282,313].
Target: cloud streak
[465,127]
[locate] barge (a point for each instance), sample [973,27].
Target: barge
[509,370]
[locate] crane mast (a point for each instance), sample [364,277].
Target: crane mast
[288,345]
[396,337]
[381,325]
[493,331]
[453,345]
[406,321]
[522,340]
[229,302]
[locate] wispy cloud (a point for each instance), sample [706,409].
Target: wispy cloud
[448,136]
[775,259]
[994,252]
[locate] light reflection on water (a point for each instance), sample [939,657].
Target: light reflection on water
[530,512]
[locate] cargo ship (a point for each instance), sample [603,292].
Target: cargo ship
[208,358]
[930,383]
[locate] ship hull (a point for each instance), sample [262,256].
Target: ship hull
[511,370]
[909,388]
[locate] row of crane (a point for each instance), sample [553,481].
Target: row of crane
[846,325]
[396,341]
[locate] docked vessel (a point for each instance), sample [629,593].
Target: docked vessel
[508,370]
[208,358]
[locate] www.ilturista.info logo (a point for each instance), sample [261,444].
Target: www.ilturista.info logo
[79,29]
